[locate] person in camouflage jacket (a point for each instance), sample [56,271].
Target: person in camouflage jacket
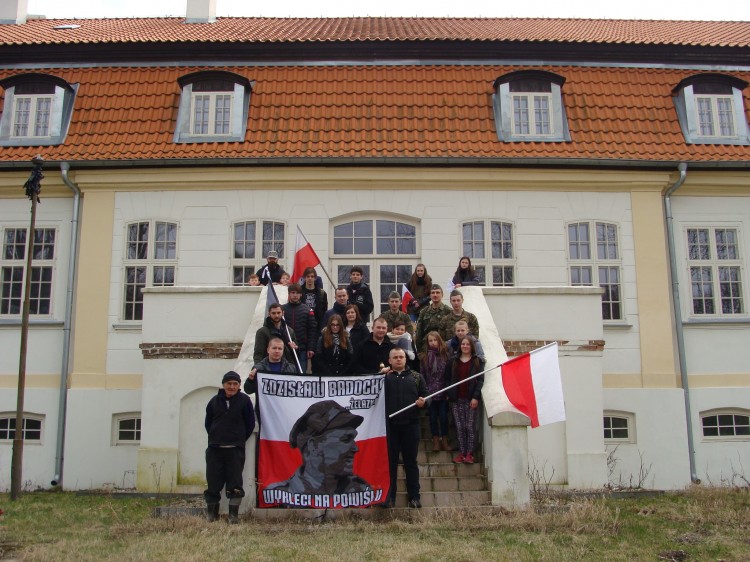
[394,313]
[431,317]
[457,314]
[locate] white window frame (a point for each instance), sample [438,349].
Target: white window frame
[504,107]
[61,102]
[374,262]
[157,264]
[9,418]
[687,103]
[717,412]
[244,265]
[117,420]
[238,108]
[42,269]
[482,251]
[706,272]
[594,263]
[32,122]
[612,415]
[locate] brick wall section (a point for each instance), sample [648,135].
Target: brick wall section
[518,347]
[191,350]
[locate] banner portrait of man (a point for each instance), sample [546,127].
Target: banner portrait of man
[332,456]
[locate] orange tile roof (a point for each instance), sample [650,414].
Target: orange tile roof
[323,112]
[254,30]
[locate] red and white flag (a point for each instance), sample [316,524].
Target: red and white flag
[304,256]
[533,385]
[406,298]
[322,441]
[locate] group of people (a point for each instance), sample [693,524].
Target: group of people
[418,360]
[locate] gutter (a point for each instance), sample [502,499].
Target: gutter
[65,369]
[682,168]
[317,161]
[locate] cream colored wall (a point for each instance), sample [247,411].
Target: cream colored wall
[94,268]
[654,310]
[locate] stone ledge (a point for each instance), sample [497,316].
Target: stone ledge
[191,350]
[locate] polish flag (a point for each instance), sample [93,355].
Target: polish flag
[533,385]
[406,297]
[304,256]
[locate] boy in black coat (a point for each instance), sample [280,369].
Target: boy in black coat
[230,421]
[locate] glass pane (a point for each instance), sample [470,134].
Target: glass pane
[362,246]
[363,228]
[386,246]
[343,246]
[346,229]
[406,246]
[386,228]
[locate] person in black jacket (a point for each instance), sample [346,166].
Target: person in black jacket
[333,354]
[403,387]
[230,421]
[275,327]
[300,318]
[354,326]
[359,293]
[313,296]
[272,270]
[371,356]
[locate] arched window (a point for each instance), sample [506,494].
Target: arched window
[726,424]
[711,109]
[213,107]
[528,107]
[37,110]
[385,247]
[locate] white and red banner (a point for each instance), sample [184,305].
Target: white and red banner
[406,298]
[304,256]
[322,441]
[533,385]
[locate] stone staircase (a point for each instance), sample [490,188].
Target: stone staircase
[443,483]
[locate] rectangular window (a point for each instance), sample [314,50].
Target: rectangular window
[32,428]
[150,261]
[583,264]
[273,238]
[32,116]
[392,277]
[13,266]
[715,271]
[500,261]
[715,116]
[247,238]
[212,114]
[129,430]
[536,122]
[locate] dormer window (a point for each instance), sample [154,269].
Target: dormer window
[528,107]
[37,110]
[711,110]
[213,107]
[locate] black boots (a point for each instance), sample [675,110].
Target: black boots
[234,511]
[212,511]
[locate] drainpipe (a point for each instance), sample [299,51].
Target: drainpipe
[682,168]
[65,369]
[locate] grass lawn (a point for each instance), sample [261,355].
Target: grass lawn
[699,524]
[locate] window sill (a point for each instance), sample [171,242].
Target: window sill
[33,323]
[127,327]
[694,322]
[618,325]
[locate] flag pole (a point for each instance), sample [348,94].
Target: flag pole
[446,388]
[334,285]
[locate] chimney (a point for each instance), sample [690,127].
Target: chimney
[13,11]
[201,11]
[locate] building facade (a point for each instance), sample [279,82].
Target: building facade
[556,154]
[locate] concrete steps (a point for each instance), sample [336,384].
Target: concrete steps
[444,483]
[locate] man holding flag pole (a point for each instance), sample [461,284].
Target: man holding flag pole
[531,385]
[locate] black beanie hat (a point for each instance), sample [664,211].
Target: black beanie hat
[231,376]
